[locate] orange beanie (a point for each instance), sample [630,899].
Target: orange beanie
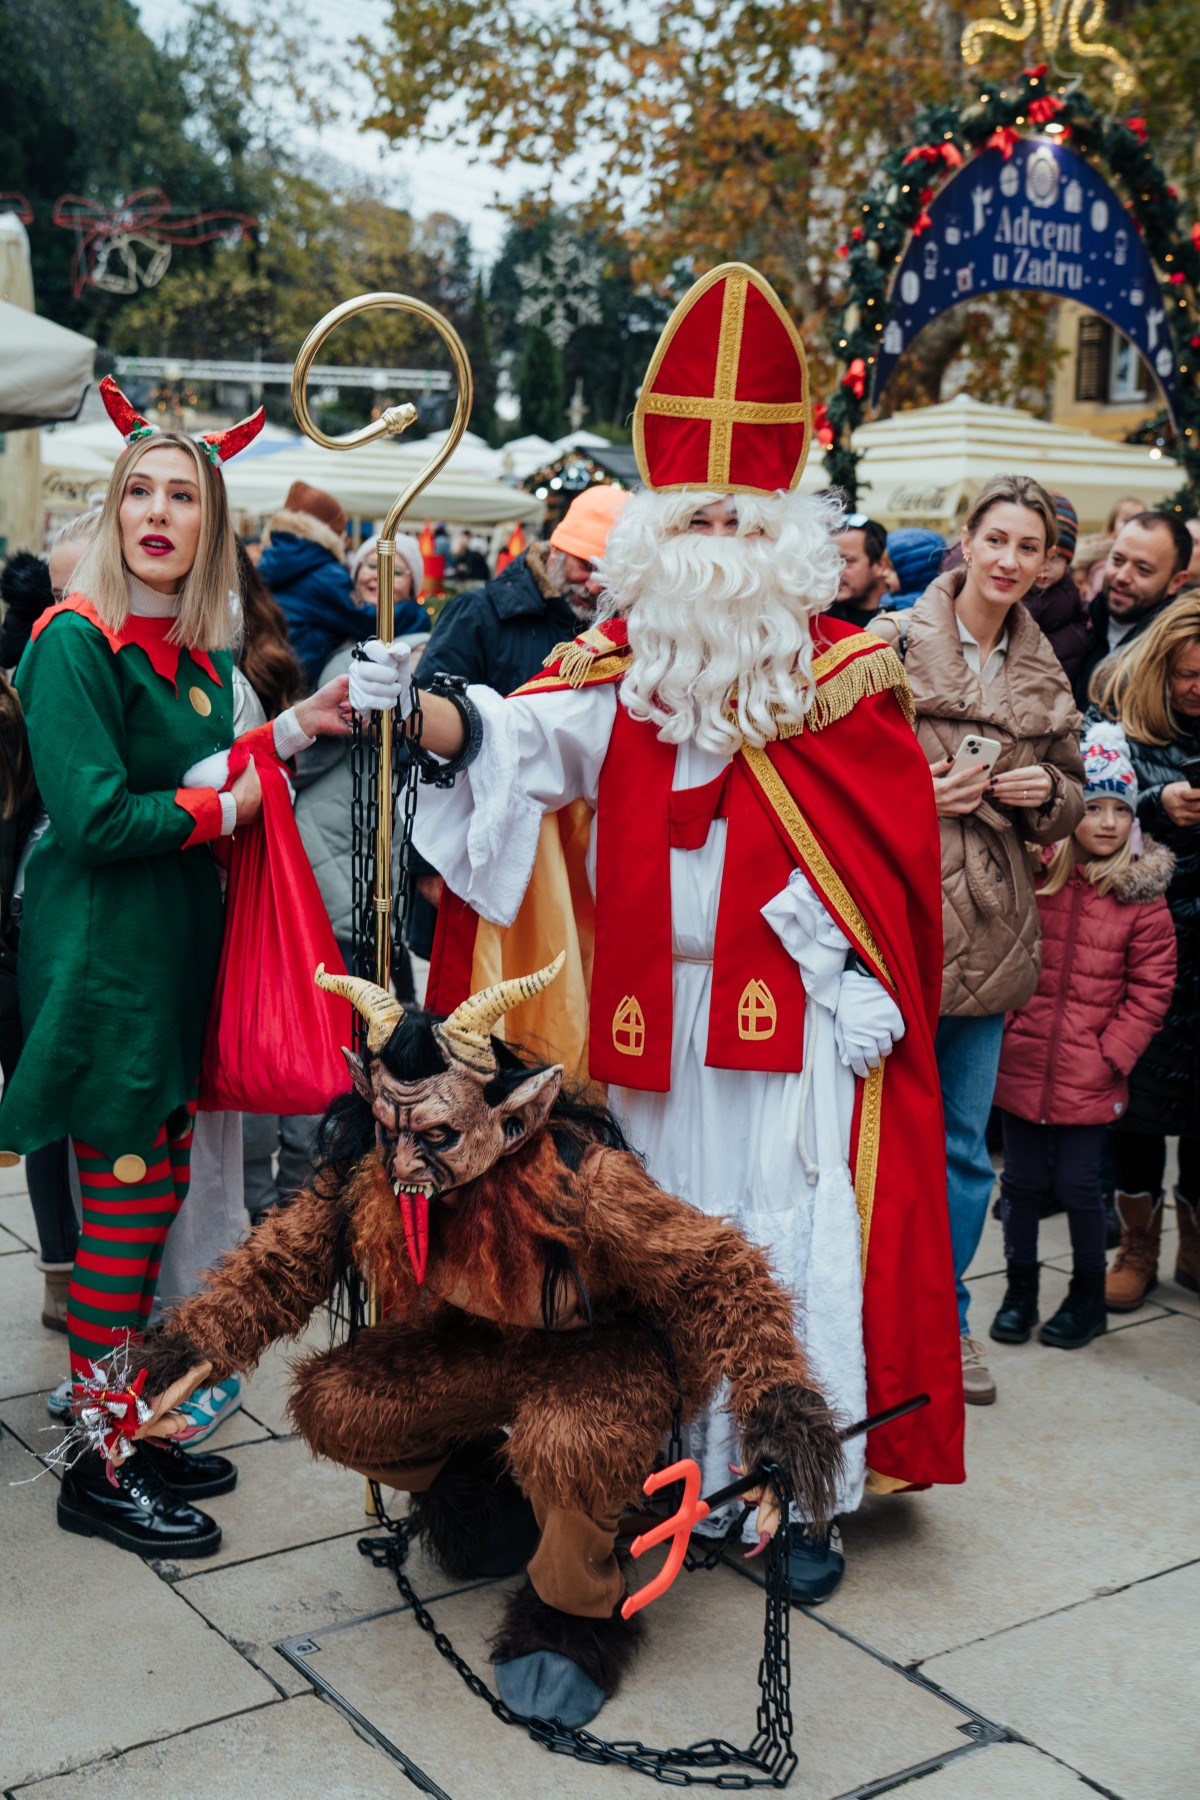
[584,527]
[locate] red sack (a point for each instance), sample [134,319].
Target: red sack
[273,1042]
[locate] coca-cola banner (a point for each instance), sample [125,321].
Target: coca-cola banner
[1042,218]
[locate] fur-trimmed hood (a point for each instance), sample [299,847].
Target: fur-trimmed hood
[1147,878]
[535,562]
[304,525]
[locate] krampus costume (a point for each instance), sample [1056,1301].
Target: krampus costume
[533,1281]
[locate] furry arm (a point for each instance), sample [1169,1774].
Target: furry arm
[712,1292]
[699,1278]
[268,1288]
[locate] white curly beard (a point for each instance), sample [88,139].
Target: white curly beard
[720,625]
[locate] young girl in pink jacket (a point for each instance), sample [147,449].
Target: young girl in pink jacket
[1108,969]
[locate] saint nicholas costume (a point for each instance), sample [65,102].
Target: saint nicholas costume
[711,905]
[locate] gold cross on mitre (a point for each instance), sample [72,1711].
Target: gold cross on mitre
[1052,21]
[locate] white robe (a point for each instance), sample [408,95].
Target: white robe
[726,1140]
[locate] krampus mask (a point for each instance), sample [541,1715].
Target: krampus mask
[436,1132]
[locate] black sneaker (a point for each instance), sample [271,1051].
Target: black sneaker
[196,1475]
[140,1513]
[816,1565]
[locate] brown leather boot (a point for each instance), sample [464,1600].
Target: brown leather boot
[1135,1271]
[1187,1257]
[57,1277]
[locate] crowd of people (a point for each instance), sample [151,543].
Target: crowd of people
[1028,707]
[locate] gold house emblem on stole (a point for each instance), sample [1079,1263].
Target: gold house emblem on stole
[757,1012]
[629,1027]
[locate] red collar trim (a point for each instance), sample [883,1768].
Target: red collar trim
[148,635]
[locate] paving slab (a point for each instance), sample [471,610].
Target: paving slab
[929,1571]
[26,1417]
[856,1720]
[1166,1354]
[59,1593]
[268,1386]
[1001,1772]
[13,1180]
[257,1604]
[1102,1686]
[286,1751]
[284,1498]
[10,1245]
[16,1216]
[30,1356]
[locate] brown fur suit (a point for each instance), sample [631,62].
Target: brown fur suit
[466,1352]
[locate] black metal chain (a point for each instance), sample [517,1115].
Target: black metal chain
[769,1755]
[365,801]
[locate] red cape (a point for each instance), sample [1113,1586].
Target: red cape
[856,761]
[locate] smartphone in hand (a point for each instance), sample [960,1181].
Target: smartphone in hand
[974,750]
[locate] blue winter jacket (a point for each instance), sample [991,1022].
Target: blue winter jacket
[314,590]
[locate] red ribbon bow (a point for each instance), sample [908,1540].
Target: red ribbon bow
[1004,139]
[1138,127]
[1043,109]
[143,220]
[821,425]
[855,378]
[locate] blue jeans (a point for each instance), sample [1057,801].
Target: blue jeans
[968,1057]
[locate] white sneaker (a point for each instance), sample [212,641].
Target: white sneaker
[58,1401]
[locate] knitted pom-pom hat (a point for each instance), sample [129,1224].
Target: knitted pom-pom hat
[1107,768]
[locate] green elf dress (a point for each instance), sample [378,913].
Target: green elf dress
[122,930]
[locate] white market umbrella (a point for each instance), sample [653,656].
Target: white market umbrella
[926,465]
[367,480]
[45,370]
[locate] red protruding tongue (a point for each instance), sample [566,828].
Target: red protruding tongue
[414,1213]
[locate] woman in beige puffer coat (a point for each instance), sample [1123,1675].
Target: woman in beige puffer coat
[978,664]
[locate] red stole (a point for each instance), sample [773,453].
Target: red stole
[756,1008]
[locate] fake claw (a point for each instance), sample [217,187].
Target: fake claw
[764,1538]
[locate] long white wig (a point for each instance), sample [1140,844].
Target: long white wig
[719,627]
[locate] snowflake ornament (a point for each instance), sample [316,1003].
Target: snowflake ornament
[560,290]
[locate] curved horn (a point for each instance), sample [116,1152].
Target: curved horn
[227,443]
[466,1034]
[380,1009]
[129,423]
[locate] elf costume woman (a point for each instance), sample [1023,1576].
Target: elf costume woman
[128,693]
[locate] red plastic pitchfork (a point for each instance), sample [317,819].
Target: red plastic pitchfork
[692,1509]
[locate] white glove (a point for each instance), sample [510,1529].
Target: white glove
[866,1024]
[210,772]
[381,678]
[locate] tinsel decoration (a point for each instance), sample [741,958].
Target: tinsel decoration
[943,138]
[107,1410]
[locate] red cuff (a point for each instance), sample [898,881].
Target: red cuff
[204,804]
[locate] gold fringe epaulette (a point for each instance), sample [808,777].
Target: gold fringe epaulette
[851,671]
[591,657]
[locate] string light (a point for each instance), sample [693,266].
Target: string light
[1050,26]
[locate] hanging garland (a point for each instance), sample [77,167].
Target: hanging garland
[946,137]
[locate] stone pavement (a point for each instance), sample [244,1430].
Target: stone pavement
[1026,1637]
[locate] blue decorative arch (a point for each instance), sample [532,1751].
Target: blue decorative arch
[1042,219]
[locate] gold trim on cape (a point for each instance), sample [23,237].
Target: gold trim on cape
[866,1163]
[826,876]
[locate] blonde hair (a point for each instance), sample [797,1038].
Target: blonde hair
[1102,873]
[205,620]
[1014,490]
[1134,687]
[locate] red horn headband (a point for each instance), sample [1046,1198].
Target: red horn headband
[218,446]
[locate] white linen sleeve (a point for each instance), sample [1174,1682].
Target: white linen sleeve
[228,814]
[810,937]
[538,754]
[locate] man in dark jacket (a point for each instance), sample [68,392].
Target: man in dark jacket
[501,634]
[1146,568]
[304,565]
